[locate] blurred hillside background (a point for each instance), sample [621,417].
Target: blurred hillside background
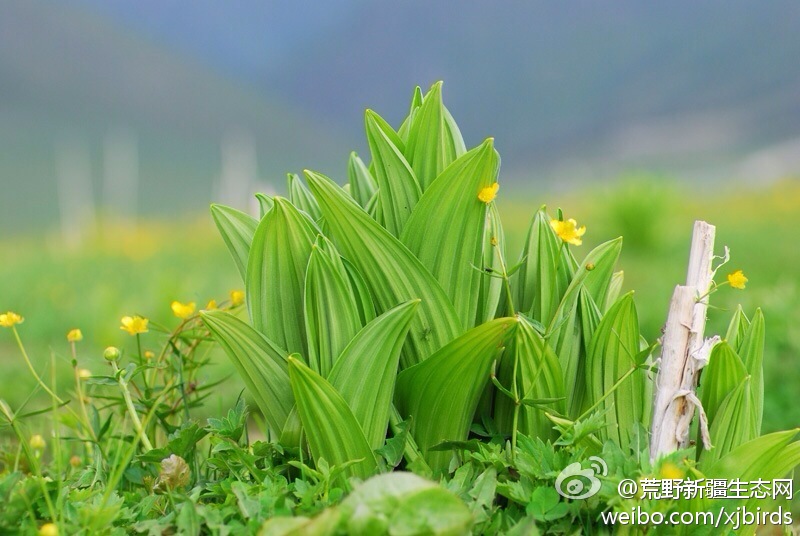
[121,120]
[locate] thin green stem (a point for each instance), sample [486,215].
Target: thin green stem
[608,393]
[30,367]
[126,395]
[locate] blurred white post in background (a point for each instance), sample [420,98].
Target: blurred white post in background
[120,174]
[74,184]
[239,169]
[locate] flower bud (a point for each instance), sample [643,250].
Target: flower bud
[111,353]
[37,442]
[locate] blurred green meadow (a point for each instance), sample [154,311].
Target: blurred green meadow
[126,269]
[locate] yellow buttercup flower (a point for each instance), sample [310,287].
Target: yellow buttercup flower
[10,318]
[568,231]
[84,374]
[670,471]
[237,297]
[737,279]
[211,305]
[48,529]
[74,335]
[183,310]
[488,194]
[149,354]
[134,324]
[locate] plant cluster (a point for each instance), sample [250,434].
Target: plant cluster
[409,379]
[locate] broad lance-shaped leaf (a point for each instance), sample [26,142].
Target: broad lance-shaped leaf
[491,286]
[237,230]
[362,185]
[761,458]
[539,377]
[441,393]
[392,273]
[724,372]
[751,351]
[357,287]
[612,354]
[416,102]
[259,362]
[446,229]
[301,198]
[332,430]
[564,331]
[733,424]
[265,204]
[275,275]
[398,189]
[614,289]
[546,269]
[737,328]
[365,372]
[331,314]
[434,140]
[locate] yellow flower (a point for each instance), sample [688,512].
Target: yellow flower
[183,310]
[568,231]
[149,355]
[737,279]
[84,374]
[37,442]
[670,471]
[74,335]
[211,305]
[488,194]
[134,324]
[237,297]
[9,319]
[48,529]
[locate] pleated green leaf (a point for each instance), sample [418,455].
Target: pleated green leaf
[301,198]
[398,189]
[614,289]
[362,185]
[612,354]
[491,288]
[265,203]
[447,227]
[332,430]
[366,370]
[737,328]
[733,424]
[434,142]
[441,393]
[767,457]
[724,372]
[259,362]
[364,304]
[416,102]
[545,271]
[275,275]
[751,351]
[539,377]
[391,272]
[237,230]
[330,310]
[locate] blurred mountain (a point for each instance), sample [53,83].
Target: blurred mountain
[677,85]
[70,80]
[569,89]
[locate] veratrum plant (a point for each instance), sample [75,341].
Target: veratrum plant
[392,299]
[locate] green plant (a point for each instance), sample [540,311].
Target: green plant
[537,349]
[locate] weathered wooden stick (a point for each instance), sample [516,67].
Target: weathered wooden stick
[684,351]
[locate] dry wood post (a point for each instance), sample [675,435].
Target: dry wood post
[684,352]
